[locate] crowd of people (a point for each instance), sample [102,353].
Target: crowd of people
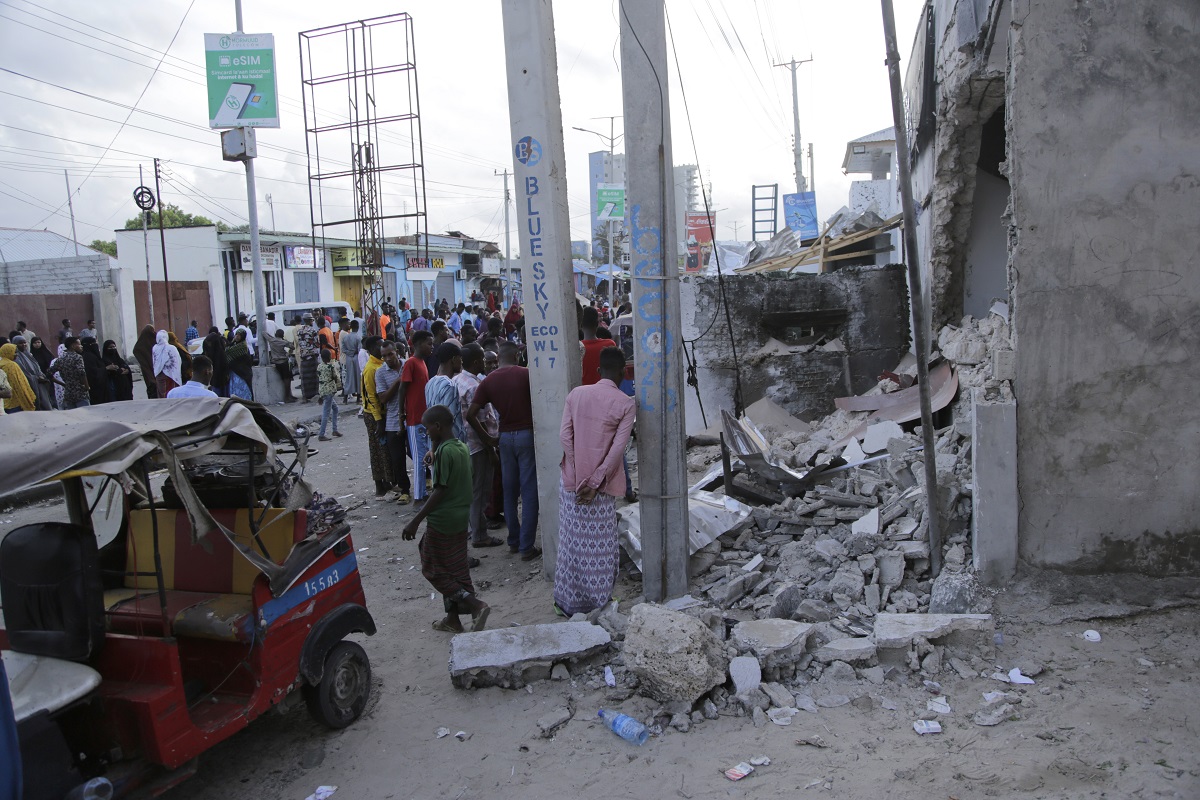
[77,372]
[446,402]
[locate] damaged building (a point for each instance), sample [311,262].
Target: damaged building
[1054,163]
[1052,150]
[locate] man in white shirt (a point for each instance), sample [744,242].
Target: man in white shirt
[202,370]
[271,326]
[482,456]
[244,326]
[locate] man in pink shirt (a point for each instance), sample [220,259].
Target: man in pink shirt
[596,425]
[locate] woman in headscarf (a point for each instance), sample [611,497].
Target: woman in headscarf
[510,319]
[22,398]
[167,368]
[59,387]
[214,347]
[38,382]
[42,354]
[241,367]
[143,352]
[185,358]
[120,376]
[97,371]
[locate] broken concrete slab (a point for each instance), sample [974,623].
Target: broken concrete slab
[786,601]
[745,673]
[878,435]
[774,641]
[958,593]
[867,524]
[848,581]
[901,630]
[550,723]
[512,657]
[780,696]
[852,650]
[675,655]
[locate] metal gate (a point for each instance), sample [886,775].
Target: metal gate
[445,287]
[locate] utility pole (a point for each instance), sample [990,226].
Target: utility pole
[734,225]
[539,175]
[812,171]
[272,205]
[162,238]
[612,259]
[71,208]
[920,312]
[612,141]
[797,150]
[505,275]
[146,246]
[654,276]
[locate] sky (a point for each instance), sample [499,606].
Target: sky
[98,90]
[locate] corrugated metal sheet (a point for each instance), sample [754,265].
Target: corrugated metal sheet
[24,245]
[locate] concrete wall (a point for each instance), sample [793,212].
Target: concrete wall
[1105,171]
[71,275]
[874,334]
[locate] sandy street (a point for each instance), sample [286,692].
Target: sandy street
[1117,718]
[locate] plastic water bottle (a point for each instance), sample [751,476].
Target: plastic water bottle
[625,726]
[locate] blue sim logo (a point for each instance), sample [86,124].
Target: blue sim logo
[528,151]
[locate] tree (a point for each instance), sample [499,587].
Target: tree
[600,245]
[174,217]
[106,247]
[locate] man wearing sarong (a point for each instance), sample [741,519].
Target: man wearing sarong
[443,548]
[595,428]
[308,349]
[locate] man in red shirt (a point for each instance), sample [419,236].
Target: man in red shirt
[592,345]
[413,378]
[507,389]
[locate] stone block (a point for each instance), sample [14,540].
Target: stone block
[853,650]
[785,601]
[511,657]
[675,655]
[745,673]
[780,696]
[891,569]
[550,723]
[958,593]
[818,610]
[994,485]
[848,581]
[901,630]
[871,596]
[775,642]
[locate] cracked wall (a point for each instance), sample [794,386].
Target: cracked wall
[1104,163]
[865,307]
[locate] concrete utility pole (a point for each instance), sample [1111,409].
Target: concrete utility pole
[271,204]
[654,275]
[263,373]
[146,246]
[916,291]
[71,208]
[539,170]
[797,150]
[505,275]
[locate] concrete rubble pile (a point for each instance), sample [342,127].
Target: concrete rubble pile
[818,600]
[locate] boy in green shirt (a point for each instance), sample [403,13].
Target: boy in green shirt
[443,548]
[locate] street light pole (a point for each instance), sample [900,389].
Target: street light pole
[612,142]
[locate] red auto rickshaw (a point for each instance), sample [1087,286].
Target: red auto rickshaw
[164,615]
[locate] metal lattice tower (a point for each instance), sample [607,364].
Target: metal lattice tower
[363,140]
[764,208]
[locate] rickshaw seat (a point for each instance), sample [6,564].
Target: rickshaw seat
[207,584]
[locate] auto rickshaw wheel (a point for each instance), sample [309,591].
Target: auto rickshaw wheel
[342,694]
